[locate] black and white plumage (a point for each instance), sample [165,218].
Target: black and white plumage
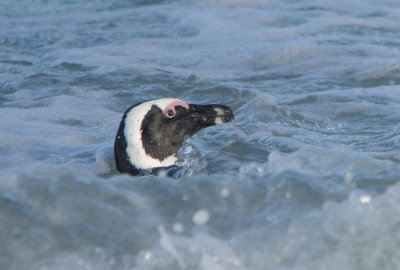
[151,133]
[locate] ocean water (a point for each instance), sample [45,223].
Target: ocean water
[305,177]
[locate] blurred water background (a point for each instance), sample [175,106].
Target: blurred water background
[306,177]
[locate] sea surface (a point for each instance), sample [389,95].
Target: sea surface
[305,177]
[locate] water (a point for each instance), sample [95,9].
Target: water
[306,177]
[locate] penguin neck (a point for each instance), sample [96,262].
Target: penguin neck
[129,153]
[135,149]
[122,161]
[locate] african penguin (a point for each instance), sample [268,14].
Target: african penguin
[151,133]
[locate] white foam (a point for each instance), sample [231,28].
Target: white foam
[168,245]
[201,217]
[178,227]
[224,192]
[326,161]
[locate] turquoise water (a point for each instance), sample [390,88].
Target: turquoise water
[306,177]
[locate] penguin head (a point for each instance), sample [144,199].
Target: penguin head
[151,133]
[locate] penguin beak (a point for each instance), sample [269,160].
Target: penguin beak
[210,115]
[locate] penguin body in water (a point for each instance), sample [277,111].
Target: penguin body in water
[150,133]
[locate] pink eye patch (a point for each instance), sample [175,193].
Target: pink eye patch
[171,108]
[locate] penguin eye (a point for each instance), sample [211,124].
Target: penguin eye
[170,113]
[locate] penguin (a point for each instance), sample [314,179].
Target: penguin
[150,133]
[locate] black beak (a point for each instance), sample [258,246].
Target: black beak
[210,115]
